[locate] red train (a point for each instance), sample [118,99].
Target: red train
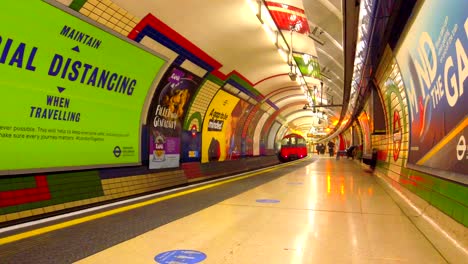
[293,146]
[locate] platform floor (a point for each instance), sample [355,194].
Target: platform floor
[317,210]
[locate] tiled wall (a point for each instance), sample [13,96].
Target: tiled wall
[28,195]
[449,197]
[201,102]
[393,97]
[25,196]
[137,184]
[110,15]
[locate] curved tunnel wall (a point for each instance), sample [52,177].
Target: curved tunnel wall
[240,129]
[422,148]
[23,196]
[393,147]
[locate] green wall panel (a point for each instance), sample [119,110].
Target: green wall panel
[459,212]
[17,183]
[63,187]
[77,4]
[449,197]
[442,203]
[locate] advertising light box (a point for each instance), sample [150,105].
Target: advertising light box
[218,127]
[433,60]
[71,93]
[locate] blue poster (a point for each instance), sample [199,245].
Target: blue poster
[191,146]
[434,65]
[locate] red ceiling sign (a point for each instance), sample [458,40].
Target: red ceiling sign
[286,16]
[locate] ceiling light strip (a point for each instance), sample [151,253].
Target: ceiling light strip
[274,34]
[362,47]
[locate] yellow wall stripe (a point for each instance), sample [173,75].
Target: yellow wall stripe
[444,141]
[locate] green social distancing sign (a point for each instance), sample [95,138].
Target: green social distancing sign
[71,93]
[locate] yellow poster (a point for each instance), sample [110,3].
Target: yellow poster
[218,127]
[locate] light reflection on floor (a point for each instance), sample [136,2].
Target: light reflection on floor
[337,214]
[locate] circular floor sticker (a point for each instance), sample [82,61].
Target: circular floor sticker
[180,256]
[267,201]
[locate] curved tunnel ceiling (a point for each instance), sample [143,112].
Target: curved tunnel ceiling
[230,32]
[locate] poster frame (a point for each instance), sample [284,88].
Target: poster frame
[144,107]
[437,172]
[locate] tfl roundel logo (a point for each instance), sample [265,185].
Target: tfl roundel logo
[461,148]
[396,135]
[117,151]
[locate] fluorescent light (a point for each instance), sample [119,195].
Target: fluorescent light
[283,55]
[266,17]
[270,33]
[253,5]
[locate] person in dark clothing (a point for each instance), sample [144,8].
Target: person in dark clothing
[351,152]
[214,151]
[373,161]
[331,147]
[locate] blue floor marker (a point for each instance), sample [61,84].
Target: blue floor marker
[267,201]
[180,256]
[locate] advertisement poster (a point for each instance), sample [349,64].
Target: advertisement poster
[218,126]
[366,144]
[72,93]
[284,15]
[308,65]
[249,137]
[191,145]
[167,113]
[434,65]
[237,143]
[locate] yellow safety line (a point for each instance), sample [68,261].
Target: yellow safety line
[77,221]
[442,143]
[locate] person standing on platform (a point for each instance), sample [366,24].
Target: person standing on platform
[331,147]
